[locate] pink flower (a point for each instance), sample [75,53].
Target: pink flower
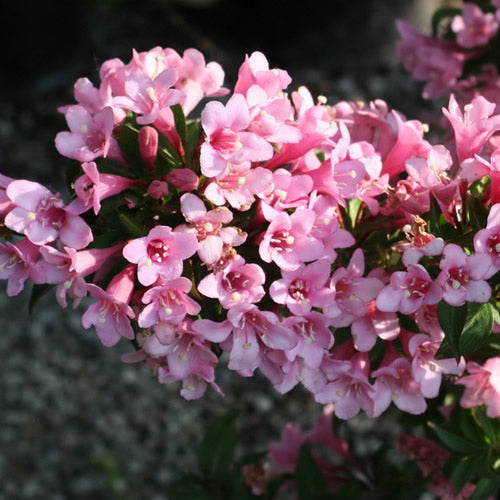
[487,241]
[353,293]
[408,291]
[426,369]
[160,254]
[111,313]
[462,277]
[394,382]
[92,187]
[238,184]
[474,27]
[209,229]
[255,71]
[168,302]
[348,387]
[238,282]
[226,137]
[472,127]
[42,217]
[287,240]
[90,136]
[252,329]
[304,288]
[148,96]
[482,386]
[16,264]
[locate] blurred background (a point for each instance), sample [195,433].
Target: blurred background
[75,422]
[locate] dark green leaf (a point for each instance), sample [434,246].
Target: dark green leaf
[311,484]
[180,121]
[470,429]
[134,229]
[408,323]
[216,451]
[37,292]
[168,152]
[192,138]
[452,320]
[490,426]
[457,443]
[190,488]
[485,488]
[442,14]
[353,490]
[462,473]
[476,213]
[477,327]
[129,144]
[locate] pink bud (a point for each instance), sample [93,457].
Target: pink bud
[148,145]
[157,189]
[183,178]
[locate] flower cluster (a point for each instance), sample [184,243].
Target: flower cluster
[326,245]
[461,55]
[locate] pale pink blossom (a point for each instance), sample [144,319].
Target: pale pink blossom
[160,254]
[238,184]
[148,96]
[253,330]
[111,313]
[237,282]
[463,277]
[227,138]
[426,369]
[348,387]
[304,288]
[487,241]
[17,261]
[473,126]
[409,290]
[92,187]
[394,382]
[482,386]
[168,301]
[287,240]
[473,27]
[42,216]
[90,136]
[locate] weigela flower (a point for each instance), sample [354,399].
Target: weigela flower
[160,254]
[227,138]
[42,216]
[462,277]
[482,386]
[474,27]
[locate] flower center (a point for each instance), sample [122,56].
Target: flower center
[158,250]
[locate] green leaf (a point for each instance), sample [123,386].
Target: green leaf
[452,320]
[133,228]
[353,207]
[477,327]
[192,138]
[457,443]
[490,426]
[408,323]
[311,484]
[441,15]
[167,152]
[129,144]
[485,488]
[353,490]
[190,488]
[37,292]
[470,429]
[462,473]
[216,451]
[180,121]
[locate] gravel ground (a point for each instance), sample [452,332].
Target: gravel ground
[75,422]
